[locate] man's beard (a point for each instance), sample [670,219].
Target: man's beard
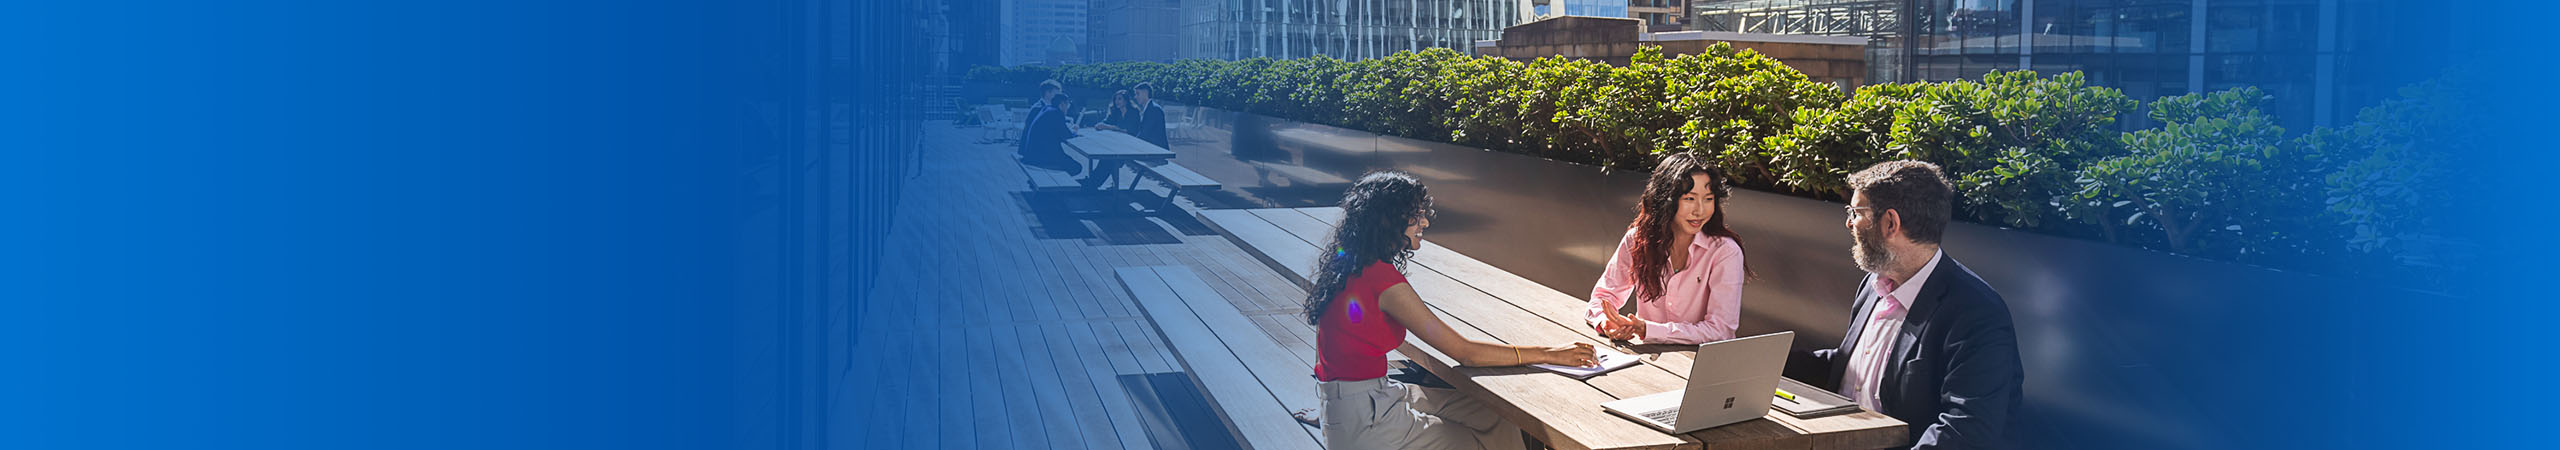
[1867,247]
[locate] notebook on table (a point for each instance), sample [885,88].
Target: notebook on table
[1610,359]
[1809,401]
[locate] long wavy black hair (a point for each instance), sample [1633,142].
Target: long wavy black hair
[1375,212]
[1657,217]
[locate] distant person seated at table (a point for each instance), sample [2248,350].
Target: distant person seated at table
[1148,126]
[1121,115]
[1931,343]
[1049,90]
[1677,275]
[1044,137]
[1362,308]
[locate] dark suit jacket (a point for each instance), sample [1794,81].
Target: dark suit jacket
[1953,375]
[1150,126]
[1044,140]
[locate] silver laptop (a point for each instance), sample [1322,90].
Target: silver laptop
[1731,381]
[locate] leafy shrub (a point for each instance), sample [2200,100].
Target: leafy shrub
[1827,144]
[2219,179]
[1969,128]
[1024,75]
[2179,179]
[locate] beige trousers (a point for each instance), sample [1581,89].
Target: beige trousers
[1384,414]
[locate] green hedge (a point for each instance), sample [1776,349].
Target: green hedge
[2217,179]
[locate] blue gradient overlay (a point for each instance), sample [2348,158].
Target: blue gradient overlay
[590,225]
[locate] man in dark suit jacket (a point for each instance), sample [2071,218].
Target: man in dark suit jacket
[1149,127]
[1938,353]
[1045,136]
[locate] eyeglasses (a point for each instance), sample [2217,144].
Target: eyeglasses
[1852,211]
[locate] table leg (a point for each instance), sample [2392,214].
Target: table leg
[1103,171]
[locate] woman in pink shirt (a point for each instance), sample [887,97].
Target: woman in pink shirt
[1678,263]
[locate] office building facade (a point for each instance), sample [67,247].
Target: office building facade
[1043,31]
[2319,60]
[1133,30]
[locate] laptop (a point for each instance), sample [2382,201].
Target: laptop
[1731,382]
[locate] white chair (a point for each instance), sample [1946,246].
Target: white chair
[999,127]
[1179,125]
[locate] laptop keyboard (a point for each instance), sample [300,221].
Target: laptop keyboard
[1663,416]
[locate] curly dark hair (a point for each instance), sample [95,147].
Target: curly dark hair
[1375,212]
[1657,214]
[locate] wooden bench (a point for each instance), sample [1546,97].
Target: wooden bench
[1046,180]
[1177,180]
[1250,379]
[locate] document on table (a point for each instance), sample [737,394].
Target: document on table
[1610,359]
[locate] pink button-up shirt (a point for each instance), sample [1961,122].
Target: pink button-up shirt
[1863,382]
[1701,303]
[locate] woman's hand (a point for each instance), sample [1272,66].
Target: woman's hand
[1576,354]
[1620,327]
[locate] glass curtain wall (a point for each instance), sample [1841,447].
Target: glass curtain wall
[1344,29]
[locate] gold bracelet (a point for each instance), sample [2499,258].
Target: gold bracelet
[1515,356]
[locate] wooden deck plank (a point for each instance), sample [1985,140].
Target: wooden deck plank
[1104,371]
[878,390]
[1104,258]
[1044,285]
[960,409]
[1151,352]
[1094,419]
[1123,355]
[1079,271]
[1014,405]
[1086,268]
[1053,283]
[919,398]
[983,306]
[1029,296]
[1058,421]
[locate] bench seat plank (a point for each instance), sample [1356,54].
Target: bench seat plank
[1244,373]
[1180,177]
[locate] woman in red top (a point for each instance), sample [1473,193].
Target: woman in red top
[1362,309]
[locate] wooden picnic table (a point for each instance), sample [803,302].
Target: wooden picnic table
[1485,303]
[1099,146]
